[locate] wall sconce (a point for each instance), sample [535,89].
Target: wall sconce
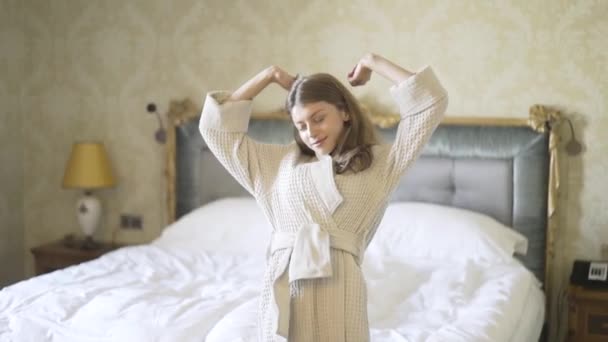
[161,134]
[573,147]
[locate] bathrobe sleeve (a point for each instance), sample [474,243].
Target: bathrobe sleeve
[223,125]
[422,103]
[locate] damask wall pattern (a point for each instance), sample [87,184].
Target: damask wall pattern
[11,143]
[90,67]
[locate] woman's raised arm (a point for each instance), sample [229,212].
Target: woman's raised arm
[422,103]
[251,88]
[224,123]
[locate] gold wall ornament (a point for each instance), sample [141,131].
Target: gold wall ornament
[544,119]
[179,113]
[182,111]
[385,121]
[547,120]
[380,120]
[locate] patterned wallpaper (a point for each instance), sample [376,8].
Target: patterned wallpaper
[92,66]
[11,144]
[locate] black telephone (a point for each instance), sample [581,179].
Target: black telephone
[592,274]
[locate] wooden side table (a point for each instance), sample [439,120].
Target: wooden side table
[587,314]
[57,255]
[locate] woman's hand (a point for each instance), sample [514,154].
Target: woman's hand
[380,65]
[281,77]
[362,72]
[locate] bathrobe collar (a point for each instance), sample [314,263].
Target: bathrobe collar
[322,174]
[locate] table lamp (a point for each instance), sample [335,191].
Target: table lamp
[88,168]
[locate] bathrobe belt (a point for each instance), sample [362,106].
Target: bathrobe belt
[310,258]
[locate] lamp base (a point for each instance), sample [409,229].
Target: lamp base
[88,211]
[89,244]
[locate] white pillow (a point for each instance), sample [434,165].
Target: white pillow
[424,230]
[233,225]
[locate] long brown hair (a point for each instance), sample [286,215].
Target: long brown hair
[354,149]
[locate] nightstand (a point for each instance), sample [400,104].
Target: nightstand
[587,314]
[57,255]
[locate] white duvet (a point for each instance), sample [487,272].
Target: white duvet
[147,293]
[430,301]
[139,293]
[182,288]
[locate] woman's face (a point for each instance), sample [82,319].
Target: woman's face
[319,125]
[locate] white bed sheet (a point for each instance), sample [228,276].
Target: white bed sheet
[156,293]
[532,318]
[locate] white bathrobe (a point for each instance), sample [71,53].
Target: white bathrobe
[314,289]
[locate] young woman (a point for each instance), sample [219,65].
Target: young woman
[325,193]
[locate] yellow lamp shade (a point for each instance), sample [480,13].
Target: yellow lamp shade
[88,167]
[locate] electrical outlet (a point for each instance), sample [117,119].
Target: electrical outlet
[131,221]
[136,222]
[125,221]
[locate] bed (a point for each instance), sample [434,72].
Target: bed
[463,253]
